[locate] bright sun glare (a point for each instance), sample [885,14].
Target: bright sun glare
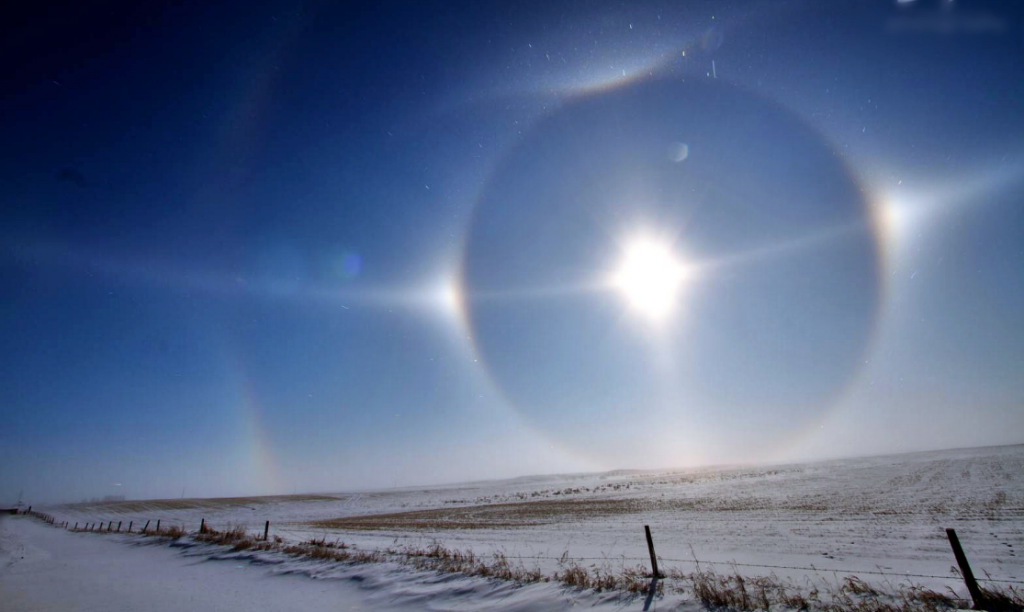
[649,277]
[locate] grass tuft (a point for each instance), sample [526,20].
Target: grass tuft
[233,535]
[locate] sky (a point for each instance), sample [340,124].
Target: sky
[271,247]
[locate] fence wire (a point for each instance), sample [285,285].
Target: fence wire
[836,570]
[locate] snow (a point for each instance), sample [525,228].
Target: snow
[880,518]
[50,569]
[46,568]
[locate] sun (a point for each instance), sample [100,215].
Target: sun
[650,276]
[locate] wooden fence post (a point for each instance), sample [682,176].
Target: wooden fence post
[130,526]
[119,526]
[961,559]
[158,525]
[202,526]
[110,525]
[266,531]
[76,525]
[146,527]
[650,548]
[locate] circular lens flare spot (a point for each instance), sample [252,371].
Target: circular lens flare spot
[649,277]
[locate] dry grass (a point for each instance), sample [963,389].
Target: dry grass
[1009,600]
[323,542]
[235,537]
[231,535]
[120,507]
[173,532]
[525,514]
[489,516]
[437,557]
[733,591]
[718,591]
[632,580]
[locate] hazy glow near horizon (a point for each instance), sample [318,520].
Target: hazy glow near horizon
[650,277]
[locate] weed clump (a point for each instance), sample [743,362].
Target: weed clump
[232,535]
[174,532]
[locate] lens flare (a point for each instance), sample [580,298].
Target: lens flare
[650,277]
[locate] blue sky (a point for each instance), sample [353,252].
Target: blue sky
[276,247]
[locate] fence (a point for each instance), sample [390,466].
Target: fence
[977,594]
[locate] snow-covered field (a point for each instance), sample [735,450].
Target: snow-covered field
[880,518]
[44,569]
[879,514]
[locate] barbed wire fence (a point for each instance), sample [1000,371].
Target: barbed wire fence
[387,552]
